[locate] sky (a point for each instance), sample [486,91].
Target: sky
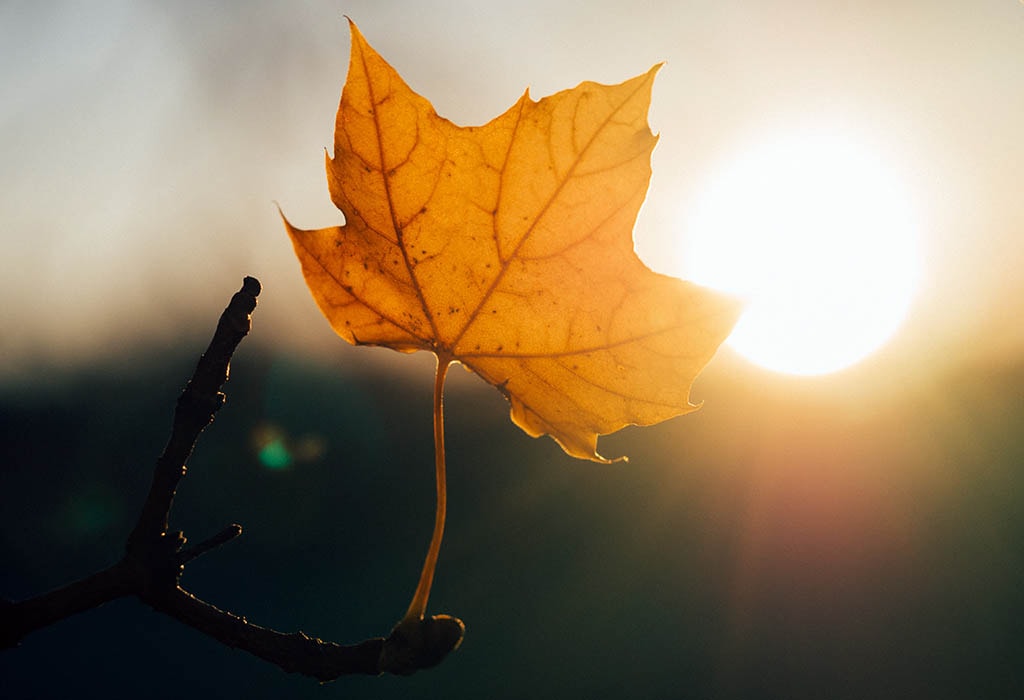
[145,146]
[796,536]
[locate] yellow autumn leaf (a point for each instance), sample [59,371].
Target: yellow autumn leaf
[508,247]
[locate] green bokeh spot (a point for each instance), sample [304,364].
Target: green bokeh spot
[91,515]
[275,455]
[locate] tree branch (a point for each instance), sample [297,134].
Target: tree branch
[155,558]
[196,407]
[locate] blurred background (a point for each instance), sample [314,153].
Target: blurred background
[859,534]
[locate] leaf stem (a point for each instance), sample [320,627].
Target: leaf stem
[418,606]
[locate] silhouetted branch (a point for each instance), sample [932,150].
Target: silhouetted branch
[35,613]
[223,537]
[155,557]
[196,407]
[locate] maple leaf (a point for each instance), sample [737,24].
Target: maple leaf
[508,248]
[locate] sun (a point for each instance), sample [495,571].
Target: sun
[816,233]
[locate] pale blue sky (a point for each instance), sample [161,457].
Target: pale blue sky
[144,143]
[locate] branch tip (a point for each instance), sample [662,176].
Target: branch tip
[223,537]
[251,285]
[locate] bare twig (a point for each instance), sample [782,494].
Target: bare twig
[155,557]
[223,537]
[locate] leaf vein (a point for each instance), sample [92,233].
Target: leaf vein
[391,204]
[472,316]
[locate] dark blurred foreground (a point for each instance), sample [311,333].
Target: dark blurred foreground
[777,544]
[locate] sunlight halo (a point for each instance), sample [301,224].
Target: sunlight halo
[817,234]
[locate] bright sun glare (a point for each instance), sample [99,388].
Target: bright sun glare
[818,236]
